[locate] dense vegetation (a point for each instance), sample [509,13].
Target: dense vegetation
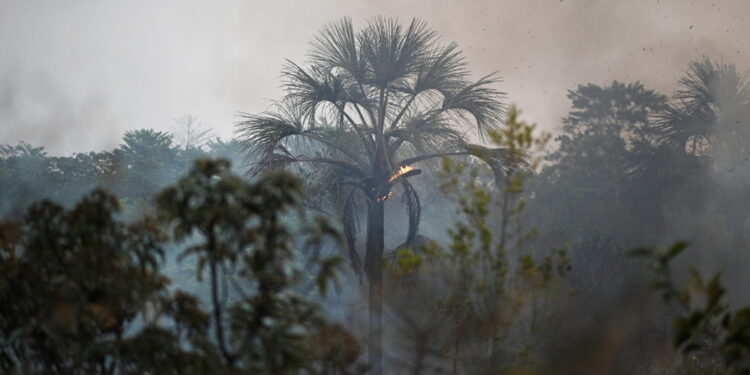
[514,255]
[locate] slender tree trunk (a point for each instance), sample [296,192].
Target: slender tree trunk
[374,268]
[217,312]
[212,265]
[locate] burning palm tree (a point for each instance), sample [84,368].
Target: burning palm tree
[371,104]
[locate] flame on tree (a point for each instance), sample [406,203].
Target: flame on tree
[368,106]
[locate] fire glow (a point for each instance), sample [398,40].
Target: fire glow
[404,169]
[384,198]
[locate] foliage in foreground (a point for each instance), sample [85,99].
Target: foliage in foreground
[483,301]
[81,291]
[705,330]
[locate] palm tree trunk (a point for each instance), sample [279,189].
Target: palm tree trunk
[374,268]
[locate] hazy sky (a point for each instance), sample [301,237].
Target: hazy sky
[75,75]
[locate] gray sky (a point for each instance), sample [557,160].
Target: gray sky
[75,75]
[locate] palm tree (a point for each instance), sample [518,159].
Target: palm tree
[709,120]
[370,105]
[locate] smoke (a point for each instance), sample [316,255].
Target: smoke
[542,48]
[35,108]
[149,62]
[76,76]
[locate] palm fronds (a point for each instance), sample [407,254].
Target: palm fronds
[336,47]
[392,52]
[368,98]
[479,100]
[310,89]
[710,98]
[426,134]
[273,136]
[500,159]
[443,70]
[262,133]
[708,83]
[410,199]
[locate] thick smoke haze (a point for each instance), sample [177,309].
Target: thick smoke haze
[75,75]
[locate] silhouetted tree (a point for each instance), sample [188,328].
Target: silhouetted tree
[190,133]
[371,104]
[81,291]
[73,285]
[590,185]
[146,162]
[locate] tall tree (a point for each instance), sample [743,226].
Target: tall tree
[147,162]
[369,105]
[606,128]
[24,172]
